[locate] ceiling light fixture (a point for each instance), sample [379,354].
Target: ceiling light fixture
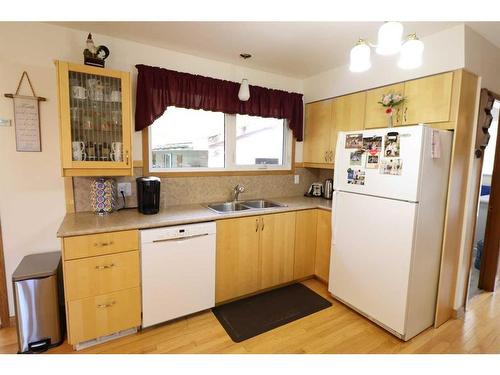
[244,92]
[388,43]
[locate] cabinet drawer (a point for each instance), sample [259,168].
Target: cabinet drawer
[102,315]
[100,244]
[99,275]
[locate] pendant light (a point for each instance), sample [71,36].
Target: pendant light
[389,43]
[411,53]
[389,38]
[244,92]
[360,57]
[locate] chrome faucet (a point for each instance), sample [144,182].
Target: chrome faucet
[238,189]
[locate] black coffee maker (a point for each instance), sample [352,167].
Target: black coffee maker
[148,195]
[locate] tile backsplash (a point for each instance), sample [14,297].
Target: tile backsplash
[191,190]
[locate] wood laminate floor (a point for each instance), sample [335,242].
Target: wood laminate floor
[337,329]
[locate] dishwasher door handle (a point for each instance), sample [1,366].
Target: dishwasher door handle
[181,238]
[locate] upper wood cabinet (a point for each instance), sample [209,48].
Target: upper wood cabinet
[95,120]
[428,99]
[375,116]
[317,132]
[324,120]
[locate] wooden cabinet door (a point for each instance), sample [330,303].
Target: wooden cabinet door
[238,263]
[305,243]
[428,99]
[317,131]
[323,244]
[277,239]
[102,315]
[348,115]
[375,116]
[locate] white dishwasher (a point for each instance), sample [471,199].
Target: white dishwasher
[178,271]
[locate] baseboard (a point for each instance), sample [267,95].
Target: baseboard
[458,313]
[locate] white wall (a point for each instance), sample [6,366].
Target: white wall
[444,51]
[31,188]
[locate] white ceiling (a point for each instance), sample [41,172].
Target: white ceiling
[295,49]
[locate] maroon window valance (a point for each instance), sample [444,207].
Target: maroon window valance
[158,88]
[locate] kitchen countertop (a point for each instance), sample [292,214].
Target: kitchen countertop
[81,223]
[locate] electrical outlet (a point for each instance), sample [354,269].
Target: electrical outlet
[126,187]
[296,179]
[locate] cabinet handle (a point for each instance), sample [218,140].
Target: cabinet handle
[102,244]
[331,156]
[256,225]
[262,224]
[105,305]
[397,115]
[404,114]
[126,156]
[105,266]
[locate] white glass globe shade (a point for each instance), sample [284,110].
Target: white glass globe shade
[389,38]
[360,58]
[411,54]
[244,92]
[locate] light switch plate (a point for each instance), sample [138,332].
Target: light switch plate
[126,187]
[4,122]
[296,179]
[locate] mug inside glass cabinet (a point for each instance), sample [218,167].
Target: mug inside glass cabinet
[96,117]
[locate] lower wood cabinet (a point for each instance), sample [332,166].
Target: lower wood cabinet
[237,262]
[253,253]
[323,245]
[102,284]
[305,243]
[102,315]
[259,252]
[277,249]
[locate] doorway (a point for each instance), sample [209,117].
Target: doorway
[484,220]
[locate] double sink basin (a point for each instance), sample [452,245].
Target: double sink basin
[256,204]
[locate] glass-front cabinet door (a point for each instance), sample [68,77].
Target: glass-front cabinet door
[95,115]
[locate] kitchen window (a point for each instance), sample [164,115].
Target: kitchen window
[188,140]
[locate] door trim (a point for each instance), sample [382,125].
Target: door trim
[491,250]
[4,302]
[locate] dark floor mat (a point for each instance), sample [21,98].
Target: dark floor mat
[254,315]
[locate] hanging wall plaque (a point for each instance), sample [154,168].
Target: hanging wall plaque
[26,118]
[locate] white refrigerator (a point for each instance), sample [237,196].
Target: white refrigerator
[387,224]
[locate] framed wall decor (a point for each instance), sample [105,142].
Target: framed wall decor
[26,118]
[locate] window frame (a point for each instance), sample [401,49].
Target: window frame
[231,168]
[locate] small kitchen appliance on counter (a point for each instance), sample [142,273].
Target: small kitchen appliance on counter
[315,190]
[328,190]
[148,195]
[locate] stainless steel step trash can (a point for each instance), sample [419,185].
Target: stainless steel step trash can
[38,298]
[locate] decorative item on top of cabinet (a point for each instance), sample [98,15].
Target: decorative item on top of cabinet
[375,116]
[390,101]
[95,121]
[93,55]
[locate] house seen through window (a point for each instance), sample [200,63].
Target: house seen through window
[196,140]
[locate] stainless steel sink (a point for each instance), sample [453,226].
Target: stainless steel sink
[261,203]
[227,207]
[256,204]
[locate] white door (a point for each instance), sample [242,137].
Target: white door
[371,253]
[396,173]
